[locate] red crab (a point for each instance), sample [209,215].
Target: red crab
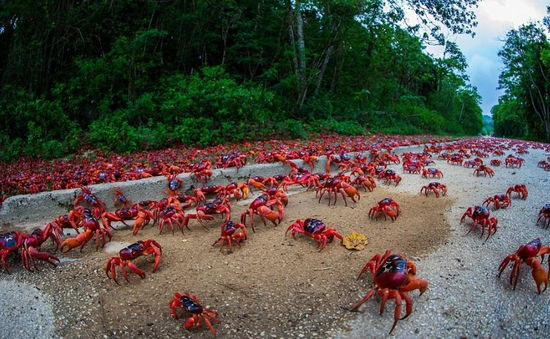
[88,197]
[260,182]
[512,161]
[393,277]
[174,184]
[499,201]
[434,187]
[495,162]
[528,254]
[432,172]
[199,193]
[295,169]
[473,163]
[391,157]
[520,189]
[316,229]
[455,159]
[235,159]
[29,245]
[388,176]
[485,170]
[83,217]
[173,213]
[334,186]
[343,160]
[218,206]
[544,214]
[192,305]
[62,222]
[262,206]
[201,170]
[366,181]
[120,198]
[308,159]
[184,200]
[305,180]
[134,251]
[237,190]
[229,235]
[388,207]
[413,169]
[141,217]
[480,216]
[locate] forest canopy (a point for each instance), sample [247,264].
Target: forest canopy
[138,74]
[524,110]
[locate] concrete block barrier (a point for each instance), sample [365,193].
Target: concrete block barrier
[28,211]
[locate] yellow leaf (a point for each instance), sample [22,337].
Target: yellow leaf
[355,241]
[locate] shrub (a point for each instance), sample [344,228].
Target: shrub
[197,131]
[10,149]
[112,132]
[290,129]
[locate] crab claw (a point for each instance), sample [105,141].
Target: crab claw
[80,240]
[539,274]
[190,322]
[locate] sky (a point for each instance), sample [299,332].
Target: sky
[495,18]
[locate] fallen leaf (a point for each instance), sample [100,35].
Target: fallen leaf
[355,241]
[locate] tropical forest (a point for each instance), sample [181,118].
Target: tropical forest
[131,75]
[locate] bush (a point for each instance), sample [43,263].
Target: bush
[290,129]
[197,131]
[215,96]
[112,132]
[347,127]
[10,149]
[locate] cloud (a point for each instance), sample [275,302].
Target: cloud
[484,71]
[495,18]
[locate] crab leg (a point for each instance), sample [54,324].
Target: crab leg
[395,295]
[408,303]
[365,299]
[30,254]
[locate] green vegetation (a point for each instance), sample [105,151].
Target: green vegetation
[524,110]
[135,74]
[488,125]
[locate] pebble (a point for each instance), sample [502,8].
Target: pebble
[468,300]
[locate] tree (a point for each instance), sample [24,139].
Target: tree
[172,68]
[508,118]
[334,17]
[525,77]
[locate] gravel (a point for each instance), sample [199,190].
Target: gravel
[465,298]
[26,311]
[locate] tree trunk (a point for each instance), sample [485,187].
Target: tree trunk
[323,68]
[292,40]
[301,56]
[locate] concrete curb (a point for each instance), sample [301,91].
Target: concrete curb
[25,212]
